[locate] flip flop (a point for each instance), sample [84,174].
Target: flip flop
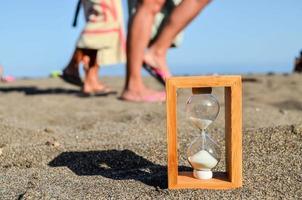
[74,80]
[156,73]
[102,93]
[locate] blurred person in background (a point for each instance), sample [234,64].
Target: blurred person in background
[157,26]
[7,78]
[1,73]
[139,34]
[102,42]
[298,64]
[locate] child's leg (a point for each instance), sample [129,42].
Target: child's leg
[91,82]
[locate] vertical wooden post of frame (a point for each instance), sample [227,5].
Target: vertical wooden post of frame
[232,178]
[172,138]
[233,130]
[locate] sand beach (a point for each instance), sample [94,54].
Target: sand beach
[57,145]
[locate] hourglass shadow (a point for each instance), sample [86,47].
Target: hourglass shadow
[114,164]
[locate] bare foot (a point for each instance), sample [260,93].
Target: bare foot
[94,86]
[157,60]
[145,95]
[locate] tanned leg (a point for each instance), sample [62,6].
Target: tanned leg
[91,68]
[180,17]
[138,39]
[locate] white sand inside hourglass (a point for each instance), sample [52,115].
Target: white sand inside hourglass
[202,124]
[203,160]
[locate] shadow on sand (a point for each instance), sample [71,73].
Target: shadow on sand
[31,90]
[289,105]
[114,164]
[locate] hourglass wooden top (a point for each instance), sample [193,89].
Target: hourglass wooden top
[203,81]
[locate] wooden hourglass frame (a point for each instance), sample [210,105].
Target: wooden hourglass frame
[232,177]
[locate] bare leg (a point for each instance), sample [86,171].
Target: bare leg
[1,74]
[91,68]
[181,16]
[138,39]
[1,71]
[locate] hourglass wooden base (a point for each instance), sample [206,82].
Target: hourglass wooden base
[232,177]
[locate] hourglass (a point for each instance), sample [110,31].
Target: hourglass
[203,154]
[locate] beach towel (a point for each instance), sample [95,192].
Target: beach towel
[104,30]
[160,18]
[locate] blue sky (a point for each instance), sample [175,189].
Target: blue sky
[230,36]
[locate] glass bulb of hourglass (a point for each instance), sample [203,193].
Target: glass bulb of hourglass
[203,154]
[202,110]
